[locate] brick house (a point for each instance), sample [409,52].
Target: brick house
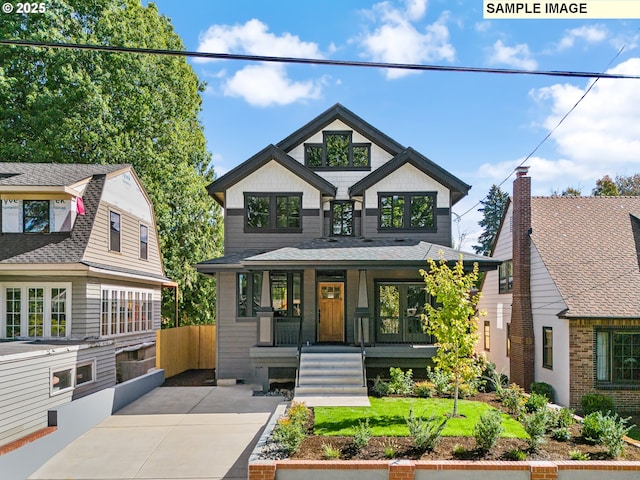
[325,233]
[564,306]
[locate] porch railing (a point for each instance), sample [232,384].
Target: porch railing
[401,330]
[286,331]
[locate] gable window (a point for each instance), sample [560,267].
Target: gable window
[337,151]
[114,231]
[407,211]
[35,216]
[547,347]
[342,218]
[144,242]
[618,356]
[505,276]
[36,310]
[271,212]
[487,335]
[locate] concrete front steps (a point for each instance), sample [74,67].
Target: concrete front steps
[331,376]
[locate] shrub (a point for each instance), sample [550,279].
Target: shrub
[426,432]
[513,399]
[535,402]
[561,418]
[424,389]
[614,429]
[459,451]
[494,380]
[401,383]
[299,412]
[363,435]
[592,427]
[561,434]
[380,388]
[596,402]
[578,455]
[488,430]
[390,449]
[329,452]
[442,382]
[543,388]
[289,434]
[516,455]
[535,424]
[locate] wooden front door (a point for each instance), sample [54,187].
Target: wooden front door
[331,312]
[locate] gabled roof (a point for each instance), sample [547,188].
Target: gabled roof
[338,112]
[591,249]
[14,174]
[217,188]
[458,188]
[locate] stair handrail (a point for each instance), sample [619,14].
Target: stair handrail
[363,352]
[299,354]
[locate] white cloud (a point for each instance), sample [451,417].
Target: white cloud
[515,57]
[589,34]
[397,38]
[262,85]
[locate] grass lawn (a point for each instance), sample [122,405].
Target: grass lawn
[387,417]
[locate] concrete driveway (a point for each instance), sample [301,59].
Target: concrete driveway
[170,433]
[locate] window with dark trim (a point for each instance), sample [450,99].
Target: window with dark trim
[342,218]
[508,346]
[35,216]
[144,242]
[286,294]
[249,292]
[271,212]
[337,152]
[547,347]
[487,335]
[505,277]
[618,356]
[407,211]
[399,309]
[114,231]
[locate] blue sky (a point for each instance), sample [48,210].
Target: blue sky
[478,126]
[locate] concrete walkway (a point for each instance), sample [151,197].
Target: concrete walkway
[170,433]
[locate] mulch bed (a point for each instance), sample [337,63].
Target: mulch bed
[312,447]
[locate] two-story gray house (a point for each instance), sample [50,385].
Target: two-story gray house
[325,233]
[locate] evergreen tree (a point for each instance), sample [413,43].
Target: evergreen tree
[492,208]
[71,106]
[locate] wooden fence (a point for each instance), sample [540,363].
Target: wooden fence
[185,348]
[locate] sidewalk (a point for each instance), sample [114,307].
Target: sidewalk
[170,433]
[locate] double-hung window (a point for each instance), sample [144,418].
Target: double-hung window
[114,231]
[144,242]
[505,276]
[412,211]
[547,347]
[273,212]
[337,152]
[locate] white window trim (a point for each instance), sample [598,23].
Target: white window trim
[92,363]
[24,307]
[140,225]
[53,370]
[149,324]
[111,210]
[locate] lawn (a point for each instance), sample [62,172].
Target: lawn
[387,417]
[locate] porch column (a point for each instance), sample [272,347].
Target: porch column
[265,313]
[362,310]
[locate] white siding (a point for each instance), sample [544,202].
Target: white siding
[272,177]
[546,303]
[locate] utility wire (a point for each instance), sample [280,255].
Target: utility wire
[548,135]
[314,61]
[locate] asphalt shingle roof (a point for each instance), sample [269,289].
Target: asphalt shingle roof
[50,174]
[590,247]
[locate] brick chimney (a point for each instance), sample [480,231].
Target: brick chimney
[522,347]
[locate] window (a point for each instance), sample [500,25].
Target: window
[58,312]
[508,346]
[35,310]
[67,378]
[85,373]
[266,212]
[35,216]
[505,276]
[13,315]
[125,311]
[618,356]
[399,308]
[547,347]
[407,211]
[487,335]
[337,152]
[61,380]
[342,218]
[144,242]
[114,232]
[286,294]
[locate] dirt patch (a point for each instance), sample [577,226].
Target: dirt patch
[192,378]
[456,448]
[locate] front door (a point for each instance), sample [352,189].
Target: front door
[331,312]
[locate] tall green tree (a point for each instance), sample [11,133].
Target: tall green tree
[605,187]
[629,186]
[71,106]
[453,321]
[492,210]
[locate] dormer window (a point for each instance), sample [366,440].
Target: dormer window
[337,152]
[35,216]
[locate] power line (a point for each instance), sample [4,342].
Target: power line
[315,61]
